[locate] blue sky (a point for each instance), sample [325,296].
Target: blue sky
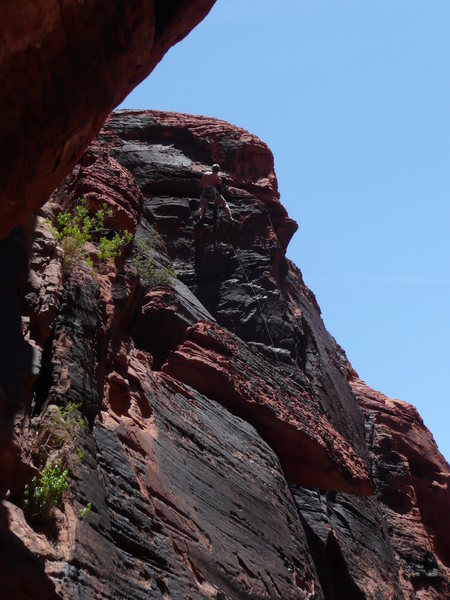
[353,98]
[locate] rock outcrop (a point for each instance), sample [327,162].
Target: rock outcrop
[64,65]
[412,482]
[225,445]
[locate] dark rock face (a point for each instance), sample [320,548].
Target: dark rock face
[412,487]
[349,542]
[183,509]
[230,451]
[64,66]
[310,450]
[16,356]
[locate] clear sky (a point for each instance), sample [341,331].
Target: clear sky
[353,98]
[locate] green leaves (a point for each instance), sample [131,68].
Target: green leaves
[69,418]
[45,492]
[74,230]
[83,512]
[144,266]
[109,249]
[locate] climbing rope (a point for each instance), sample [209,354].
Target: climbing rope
[253,293]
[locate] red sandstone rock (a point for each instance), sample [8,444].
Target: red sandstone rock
[311,451]
[190,469]
[45,283]
[64,66]
[100,180]
[412,481]
[22,572]
[187,498]
[246,162]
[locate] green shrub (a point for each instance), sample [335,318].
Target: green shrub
[85,511]
[144,266]
[45,492]
[74,230]
[68,418]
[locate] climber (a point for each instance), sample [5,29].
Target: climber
[210,183]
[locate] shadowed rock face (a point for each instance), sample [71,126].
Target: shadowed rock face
[230,449]
[64,65]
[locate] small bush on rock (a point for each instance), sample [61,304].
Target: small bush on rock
[69,418]
[144,266]
[74,229]
[45,492]
[84,512]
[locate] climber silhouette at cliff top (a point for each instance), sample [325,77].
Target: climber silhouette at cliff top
[210,184]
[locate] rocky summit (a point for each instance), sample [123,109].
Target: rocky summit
[216,443]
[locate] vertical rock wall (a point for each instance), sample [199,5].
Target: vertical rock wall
[226,446]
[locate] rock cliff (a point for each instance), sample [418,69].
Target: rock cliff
[225,445]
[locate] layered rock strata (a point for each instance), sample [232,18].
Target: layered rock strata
[229,451]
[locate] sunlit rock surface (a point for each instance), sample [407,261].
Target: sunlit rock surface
[230,451]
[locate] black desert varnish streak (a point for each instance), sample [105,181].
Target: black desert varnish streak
[222,447]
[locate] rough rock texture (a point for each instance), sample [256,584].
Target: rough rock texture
[413,487]
[310,450]
[229,449]
[64,65]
